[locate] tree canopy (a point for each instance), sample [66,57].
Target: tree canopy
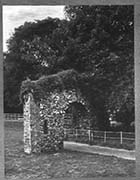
[96,41]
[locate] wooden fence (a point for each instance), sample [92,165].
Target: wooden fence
[82,135]
[13,116]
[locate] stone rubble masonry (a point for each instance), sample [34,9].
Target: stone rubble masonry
[52,110]
[27,127]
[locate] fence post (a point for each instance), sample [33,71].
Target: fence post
[121,140]
[89,136]
[104,136]
[92,136]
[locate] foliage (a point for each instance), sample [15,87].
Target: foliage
[32,52]
[104,36]
[64,80]
[96,41]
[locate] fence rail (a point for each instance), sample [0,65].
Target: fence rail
[13,116]
[103,136]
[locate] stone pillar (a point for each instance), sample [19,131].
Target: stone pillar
[27,125]
[51,111]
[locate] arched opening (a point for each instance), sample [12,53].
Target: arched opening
[49,119]
[76,116]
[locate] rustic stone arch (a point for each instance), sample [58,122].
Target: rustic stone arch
[44,122]
[45,102]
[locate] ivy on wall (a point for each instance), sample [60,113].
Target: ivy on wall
[41,88]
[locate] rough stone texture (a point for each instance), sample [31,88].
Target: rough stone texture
[36,132]
[27,125]
[38,138]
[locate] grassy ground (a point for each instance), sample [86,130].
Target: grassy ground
[64,164]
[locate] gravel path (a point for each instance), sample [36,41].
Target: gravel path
[120,153]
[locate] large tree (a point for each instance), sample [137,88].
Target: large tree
[103,42]
[96,41]
[33,50]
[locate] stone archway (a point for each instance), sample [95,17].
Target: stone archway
[76,116]
[44,122]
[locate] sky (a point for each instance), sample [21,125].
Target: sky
[14,16]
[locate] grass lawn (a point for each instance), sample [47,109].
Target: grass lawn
[65,164]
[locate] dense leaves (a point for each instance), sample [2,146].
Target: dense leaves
[96,41]
[105,36]
[64,80]
[32,52]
